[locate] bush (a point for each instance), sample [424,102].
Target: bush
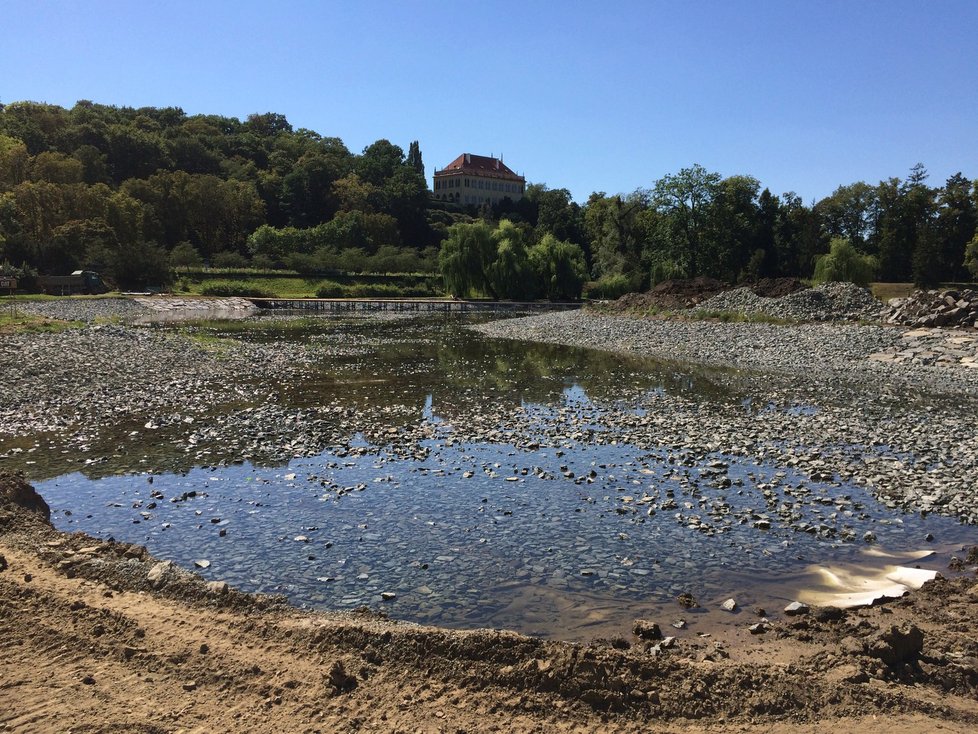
[664,270]
[185,255]
[844,263]
[609,287]
[229,259]
[331,289]
[229,288]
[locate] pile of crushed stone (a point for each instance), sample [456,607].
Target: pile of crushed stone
[825,302]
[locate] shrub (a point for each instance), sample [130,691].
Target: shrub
[608,287]
[229,259]
[228,288]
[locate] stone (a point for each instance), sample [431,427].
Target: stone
[3,563]
[217,587]
[645,630]
[730,605]
[388,595]
[758,628]
[156,575]
[202,563]
[796,608]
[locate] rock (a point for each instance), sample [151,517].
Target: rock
[796,608]
[646,630]
[157,574]
[3,563]
[388,595]
[686,600]
[190,685]
[758,628]
[202,563]
[730,605]
[217,587]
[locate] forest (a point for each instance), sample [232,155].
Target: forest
[137,193]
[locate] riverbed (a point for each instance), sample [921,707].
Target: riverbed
[469,479]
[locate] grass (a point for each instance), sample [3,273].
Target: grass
[298,287]
[17,322]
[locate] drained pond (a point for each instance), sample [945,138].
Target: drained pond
[494,483]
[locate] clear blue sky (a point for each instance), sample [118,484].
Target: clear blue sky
[591,96]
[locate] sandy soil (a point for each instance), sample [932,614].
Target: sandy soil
[99,636]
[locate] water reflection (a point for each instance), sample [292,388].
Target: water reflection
[490,535]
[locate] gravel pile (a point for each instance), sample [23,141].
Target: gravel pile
[826,302]
[934,308]
[85,309]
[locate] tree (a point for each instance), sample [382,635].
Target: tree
[414,158]
[559,267]
[185,255]
[971,257]
[957,222]
[685,198]
[465,257]
[509,272]
[844,263]
[850,213]
[616,234]
[379,162]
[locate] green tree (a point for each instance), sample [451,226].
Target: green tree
[850,213]
[686,198]
[971,257]
[414,158]
[957,222]
[465,257]
[509,272]
[559,268]
[844,263]
[185,255]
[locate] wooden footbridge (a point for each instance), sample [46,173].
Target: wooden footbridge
[407,305]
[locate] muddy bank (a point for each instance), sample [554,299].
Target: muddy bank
[99,637]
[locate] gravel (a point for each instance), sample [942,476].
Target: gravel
[808,397]
[88,310]
[825,302]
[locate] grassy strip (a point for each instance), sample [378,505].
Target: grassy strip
[303,288]
[18,322]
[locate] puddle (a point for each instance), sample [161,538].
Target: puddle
[551,543]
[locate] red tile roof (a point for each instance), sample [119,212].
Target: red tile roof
[479,165]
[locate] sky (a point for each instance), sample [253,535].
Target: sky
[589,96]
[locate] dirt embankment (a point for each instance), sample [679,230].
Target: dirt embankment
[100,636]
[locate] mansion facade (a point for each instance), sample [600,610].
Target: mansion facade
[477,179]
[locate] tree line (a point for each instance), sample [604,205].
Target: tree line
[133,192]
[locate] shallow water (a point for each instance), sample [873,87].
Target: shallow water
[553,542]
